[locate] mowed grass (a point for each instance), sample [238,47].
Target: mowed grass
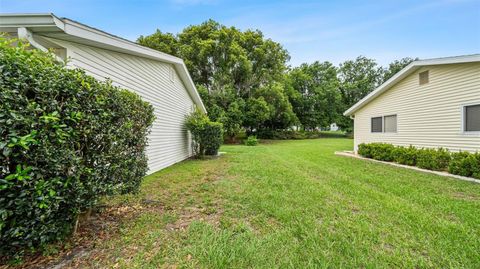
[294,204]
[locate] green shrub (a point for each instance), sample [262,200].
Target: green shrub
[465,164]
[365,150]
[433,159]
[212,137]
[377,151]
[65,140]
[383,152]
[461,163]
[251,141]
[287,134]
[207,136]
[405,155]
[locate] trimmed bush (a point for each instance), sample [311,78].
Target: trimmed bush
[465,164]
[65,141]
[288,134]
[433,159]
[377,151]
[383,152]
[460,163]
[207,136]
[405,155]
[251,141]
[365,150]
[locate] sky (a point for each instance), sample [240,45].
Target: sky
[311,31]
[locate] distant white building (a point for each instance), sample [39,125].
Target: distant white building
[334,127]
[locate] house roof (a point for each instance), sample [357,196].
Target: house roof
[409,69]
[49,25]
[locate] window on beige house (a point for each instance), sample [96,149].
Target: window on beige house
[472,118]
[377,125]
[390,124]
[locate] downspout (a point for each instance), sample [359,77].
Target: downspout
[24,33]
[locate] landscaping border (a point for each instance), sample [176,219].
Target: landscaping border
[351,154]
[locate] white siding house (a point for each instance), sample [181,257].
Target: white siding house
[158,78]
[430,103]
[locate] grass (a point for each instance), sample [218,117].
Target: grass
[294,204]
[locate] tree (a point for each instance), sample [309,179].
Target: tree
[314,94]
[164,42]
[220,57]
[228,66]
[395,66]
[257,112]
[281,111]
[357,78]
[233,119]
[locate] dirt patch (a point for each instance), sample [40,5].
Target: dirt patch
[466,196]
[188,215]
[102,225]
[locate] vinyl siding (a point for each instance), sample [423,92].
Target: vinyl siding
[169,141]
[428,115]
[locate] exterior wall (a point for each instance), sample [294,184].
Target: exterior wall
[428,115]
[169,141]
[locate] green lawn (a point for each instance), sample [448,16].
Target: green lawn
[294,204]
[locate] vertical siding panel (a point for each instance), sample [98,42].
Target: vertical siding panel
[428,115]
[169,141]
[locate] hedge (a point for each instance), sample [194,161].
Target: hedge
[65,141]
[458,163]
[289,134]
[207,136]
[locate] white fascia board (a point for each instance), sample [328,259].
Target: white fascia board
[30,20]
[79,30]
[407,71]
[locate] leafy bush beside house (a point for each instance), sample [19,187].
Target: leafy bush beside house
[65,141]
[433,159]
[465,164]
[207,136]
[405,155]
[458,163]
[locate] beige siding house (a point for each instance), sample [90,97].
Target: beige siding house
[158,78]
[430,103]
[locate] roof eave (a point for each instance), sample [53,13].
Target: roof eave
[404,73]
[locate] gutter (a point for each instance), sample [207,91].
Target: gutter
[24,33]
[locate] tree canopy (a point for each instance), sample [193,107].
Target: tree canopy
[246,83]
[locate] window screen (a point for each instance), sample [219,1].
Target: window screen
[472,118]
[423,77]
[377,125]
[390,123]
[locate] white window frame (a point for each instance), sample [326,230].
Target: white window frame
[463,109]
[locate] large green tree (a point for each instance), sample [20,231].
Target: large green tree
[220,57]
[395,66]
[229,66]
[281,115]
[314,94]
[357,78]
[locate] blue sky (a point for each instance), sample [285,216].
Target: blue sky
[310,30]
